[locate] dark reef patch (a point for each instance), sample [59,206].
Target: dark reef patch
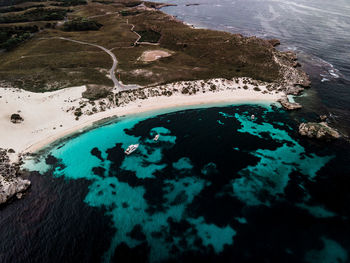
[123,253]
[96,152]
[137,233]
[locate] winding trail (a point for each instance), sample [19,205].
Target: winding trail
[139,37]
[118,86]
[110,53]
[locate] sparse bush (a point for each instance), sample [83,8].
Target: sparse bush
[257,89]
[81,24]
[16,118]
[95,92]
[78,112]
[185,90]
[69,3]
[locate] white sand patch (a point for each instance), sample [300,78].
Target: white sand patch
[152,55]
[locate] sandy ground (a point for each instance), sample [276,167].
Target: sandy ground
[153,55]
[46,118]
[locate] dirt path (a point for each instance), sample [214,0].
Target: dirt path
[117,85]
[139,37]
[110,53]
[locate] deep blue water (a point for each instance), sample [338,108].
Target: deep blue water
[217,186]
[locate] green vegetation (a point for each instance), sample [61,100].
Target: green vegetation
[129,13]
[10,37]
[102,2]
[95,92]
[69,2]
[15,2]
[38,14]
[132,3]
[81,24]
[149,36]
[17,9]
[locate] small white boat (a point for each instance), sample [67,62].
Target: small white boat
[156,137]
[252,117]
[131,148]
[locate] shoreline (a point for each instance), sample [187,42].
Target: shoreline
[114,114]
[49,116]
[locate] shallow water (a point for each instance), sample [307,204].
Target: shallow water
[217,186]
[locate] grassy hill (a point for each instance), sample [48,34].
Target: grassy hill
[40,62]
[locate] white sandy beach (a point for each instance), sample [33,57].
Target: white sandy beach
[48,116]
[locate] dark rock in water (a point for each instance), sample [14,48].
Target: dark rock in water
[318,130]
[289,105]
[274,42]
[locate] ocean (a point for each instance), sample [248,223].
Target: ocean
[318,31]
[217,186]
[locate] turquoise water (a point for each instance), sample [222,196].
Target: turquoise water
[161,194]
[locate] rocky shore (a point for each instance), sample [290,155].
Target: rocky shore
[318,131]
[294,80]
[289,105]
[11,185]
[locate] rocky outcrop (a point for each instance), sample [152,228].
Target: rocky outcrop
[11,187]
[274,42]
[289,105]
[318,130]
[290,72]
[10,184]
[293,90]
[323,117]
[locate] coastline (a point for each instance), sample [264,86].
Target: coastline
[50,116]
[149,106]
